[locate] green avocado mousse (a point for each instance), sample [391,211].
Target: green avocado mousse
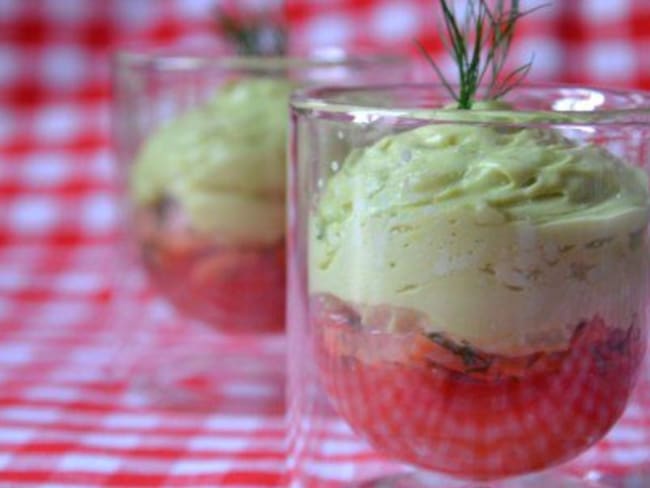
[223,163]
[209,195]
[474,227]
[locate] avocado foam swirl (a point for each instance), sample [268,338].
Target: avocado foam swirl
[528,174]
[502,236]
[223,163]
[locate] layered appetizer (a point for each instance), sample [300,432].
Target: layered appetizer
[478,285]
[208,191]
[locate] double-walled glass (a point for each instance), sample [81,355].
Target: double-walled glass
[201,143]
[467,289]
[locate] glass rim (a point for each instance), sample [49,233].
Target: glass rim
[323,101]
[189,60]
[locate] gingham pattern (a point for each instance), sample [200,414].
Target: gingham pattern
[64,419]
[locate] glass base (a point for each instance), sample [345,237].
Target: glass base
[636,478]
[172,362]
[424,480]
[218,381]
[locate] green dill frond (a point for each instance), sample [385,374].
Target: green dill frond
[252,36]
[479,47]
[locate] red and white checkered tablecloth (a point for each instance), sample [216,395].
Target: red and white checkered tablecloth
[66,418]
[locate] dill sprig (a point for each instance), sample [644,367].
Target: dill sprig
[480,46]
[253,35]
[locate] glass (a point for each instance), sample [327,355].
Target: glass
[467,289]
[201,147]
[622,459]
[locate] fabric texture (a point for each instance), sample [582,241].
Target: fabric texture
[66,417]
